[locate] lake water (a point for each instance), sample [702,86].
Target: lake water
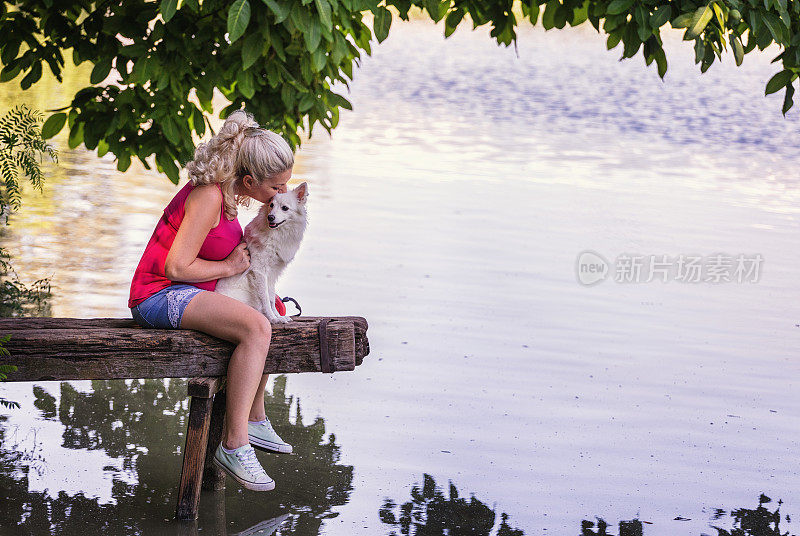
[449,209]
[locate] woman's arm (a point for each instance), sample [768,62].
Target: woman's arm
[201,212]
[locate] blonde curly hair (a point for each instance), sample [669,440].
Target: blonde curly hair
[240,148]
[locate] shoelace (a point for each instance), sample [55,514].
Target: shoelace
[268,425]
[247,457]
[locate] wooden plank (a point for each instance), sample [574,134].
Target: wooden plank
[11,324]
[46,349]
[194,458]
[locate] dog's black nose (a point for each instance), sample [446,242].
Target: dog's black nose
[271,218]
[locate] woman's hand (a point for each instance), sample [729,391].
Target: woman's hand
[239,259]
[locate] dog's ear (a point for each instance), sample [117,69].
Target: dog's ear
[301,192]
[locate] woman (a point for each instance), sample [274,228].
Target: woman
[199,240]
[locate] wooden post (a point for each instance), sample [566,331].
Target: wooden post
[194,457]
[202,391]
[213,476]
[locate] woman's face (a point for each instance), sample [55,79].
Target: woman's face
[270,186]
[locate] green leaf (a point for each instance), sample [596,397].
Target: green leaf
[338,100]
[642,19]
[9,74]
[204,96]
[251,50]
[340,49]
[123,161]
[720,17]
[170,130]
[778,81]
[280,8]
[32,77]
[167,165]
[91,134]
[142,70]
[318,59]
[613,39]
[452,21]
[244,83]
[437,9]
[549,15]
[163,80]
[699,21]
[630,41]
[299,19]
[619,6]
[661,61]
[287,95]
[738,50]
[312,35]
[559,21]
[787,99]
[75,136]
[168,9]
[53,125]
[699,51]
[238,18]
[534,12]
[324,10]
[774,25]
[708,58]
[102,148]
[683,21]
[785,18]
[306,102]
[580,15]
[100,72]
[10,51]
[199,122]
[660,16]
[432,6]
[383,21]
[763,38]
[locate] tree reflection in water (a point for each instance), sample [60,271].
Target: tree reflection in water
[758,522]
[746,522]
[143,423]
[430,513]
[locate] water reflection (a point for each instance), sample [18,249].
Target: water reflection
[626,528]
[430,513]
[140,425]
[760,521]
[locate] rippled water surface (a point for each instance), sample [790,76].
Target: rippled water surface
[449,209]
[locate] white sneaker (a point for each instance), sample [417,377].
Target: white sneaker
[242,465]
[263,436]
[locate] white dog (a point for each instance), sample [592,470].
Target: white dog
[273,238]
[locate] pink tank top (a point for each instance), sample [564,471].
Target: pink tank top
[149,276]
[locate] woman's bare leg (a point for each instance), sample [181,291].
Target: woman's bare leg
[234,321]
[257,411]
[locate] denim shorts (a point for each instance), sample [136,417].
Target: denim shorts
[164,309]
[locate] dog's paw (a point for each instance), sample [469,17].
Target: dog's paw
[281,320]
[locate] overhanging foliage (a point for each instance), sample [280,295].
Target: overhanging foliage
[280,58]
